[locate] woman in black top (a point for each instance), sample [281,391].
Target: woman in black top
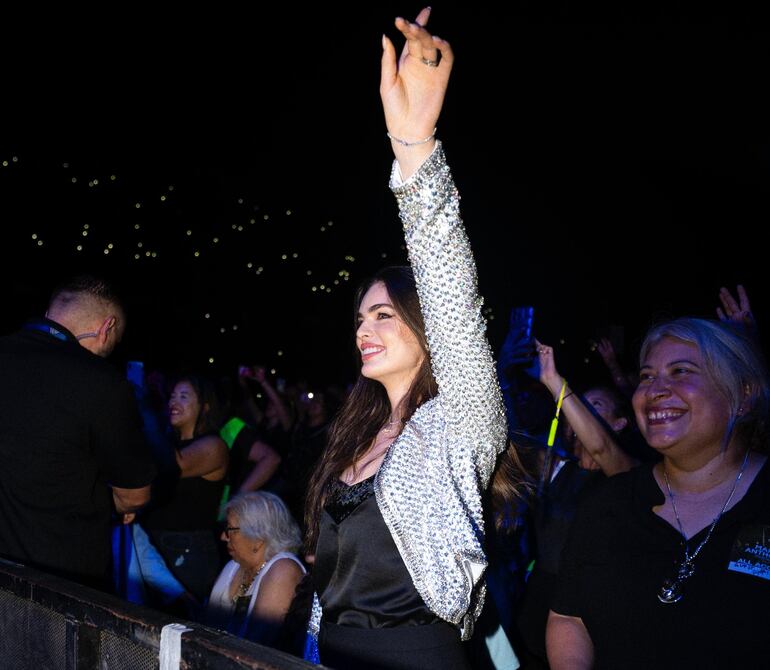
[186,502]
[668,565]
[394,508]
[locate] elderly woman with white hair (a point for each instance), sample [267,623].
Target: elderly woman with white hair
[255,589]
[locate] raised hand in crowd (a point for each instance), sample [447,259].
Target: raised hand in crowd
[278,411]
[610,358]
[593,436]
[412,92]
[738,311]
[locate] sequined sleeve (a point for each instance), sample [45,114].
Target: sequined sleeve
[445,274]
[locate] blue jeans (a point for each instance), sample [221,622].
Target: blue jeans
[192,556]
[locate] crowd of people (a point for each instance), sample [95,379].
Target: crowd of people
[441,512]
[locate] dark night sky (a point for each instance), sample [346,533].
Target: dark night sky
[614,169]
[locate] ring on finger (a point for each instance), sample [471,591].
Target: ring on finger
[428,62]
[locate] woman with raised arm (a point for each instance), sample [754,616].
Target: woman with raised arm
[394,509]
[597,440]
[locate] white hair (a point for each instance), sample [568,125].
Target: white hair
[264,516]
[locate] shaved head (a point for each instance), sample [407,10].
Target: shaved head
[88,304]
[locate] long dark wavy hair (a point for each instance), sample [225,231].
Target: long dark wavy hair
[512,486]
[367,407]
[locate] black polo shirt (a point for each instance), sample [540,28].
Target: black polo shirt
[618,555]
[69,429]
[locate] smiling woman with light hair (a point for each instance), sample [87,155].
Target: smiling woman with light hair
[665,566]
[254,590]
[733,362]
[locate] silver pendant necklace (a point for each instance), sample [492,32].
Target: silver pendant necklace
[672,590]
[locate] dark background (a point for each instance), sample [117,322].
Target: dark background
[614,171]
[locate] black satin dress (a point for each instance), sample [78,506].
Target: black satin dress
[373,616]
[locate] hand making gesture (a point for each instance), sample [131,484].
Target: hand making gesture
[412,89]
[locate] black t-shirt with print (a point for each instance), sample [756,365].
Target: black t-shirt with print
[620,552]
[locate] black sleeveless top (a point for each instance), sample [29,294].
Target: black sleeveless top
[184,504]
[360,577]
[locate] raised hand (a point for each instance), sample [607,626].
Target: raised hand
[598,448]
[607,352]
[737,312]
[549,375]
[412,89]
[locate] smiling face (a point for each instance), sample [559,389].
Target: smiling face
[390,351]
[679,409]
[183,409]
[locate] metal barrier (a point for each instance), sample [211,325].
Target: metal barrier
[47,623]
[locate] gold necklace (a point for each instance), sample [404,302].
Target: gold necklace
[245,584]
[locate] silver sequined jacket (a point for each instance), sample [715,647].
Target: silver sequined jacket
[430,482]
